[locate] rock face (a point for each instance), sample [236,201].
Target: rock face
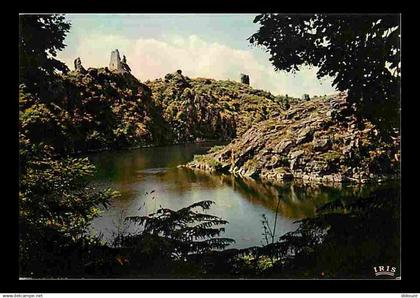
[78,66]
[319,140]
[244,79]
[206,109]
[117,110]
[113,108]
[125,65]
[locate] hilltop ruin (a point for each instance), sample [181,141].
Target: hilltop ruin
[116,64]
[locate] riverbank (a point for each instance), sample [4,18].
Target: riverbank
[320,140]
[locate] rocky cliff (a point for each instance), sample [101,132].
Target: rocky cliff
[100,109]
[206,109]
[316,140]
[94,109]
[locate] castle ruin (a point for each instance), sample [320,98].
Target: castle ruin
[115,62]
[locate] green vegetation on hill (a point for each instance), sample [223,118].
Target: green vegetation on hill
[320,140]
[203,108]
[92,111]
[64,113]
[102,110]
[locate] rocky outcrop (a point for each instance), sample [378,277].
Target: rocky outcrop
[125,65]
[318,140]
[244,79]
[78,67]
[103,109]
[206,109]
[110,108]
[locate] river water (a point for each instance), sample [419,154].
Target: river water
[148,178]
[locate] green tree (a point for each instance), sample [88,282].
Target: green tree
[40,38]
[184,231]
[56,202]
[361,53]
[56,205]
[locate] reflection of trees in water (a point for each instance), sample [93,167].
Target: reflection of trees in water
[183,180]
[346,238]
[292,204]
[126,166]
[343,232]
[127,171]
[366,235]
[341,241]
[297,200]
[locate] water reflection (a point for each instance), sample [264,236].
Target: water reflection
[149,178]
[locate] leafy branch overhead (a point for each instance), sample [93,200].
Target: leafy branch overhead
[361,53]
[40,38]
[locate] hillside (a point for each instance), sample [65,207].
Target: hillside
[318,139]
[95,109]
[202,108]
[315,140]
[102,109]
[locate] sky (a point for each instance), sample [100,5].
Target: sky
[201,45]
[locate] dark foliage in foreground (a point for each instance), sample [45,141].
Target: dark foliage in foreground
[346,239]
[188,231]
[40,38]
[56,203]
[167,239]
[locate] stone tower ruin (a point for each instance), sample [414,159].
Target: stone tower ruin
[115,62]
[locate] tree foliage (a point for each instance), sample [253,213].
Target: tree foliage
[40,38]
[94,111]
[361,53]
[56,205]
[56,202]
[344,239]
[186,230]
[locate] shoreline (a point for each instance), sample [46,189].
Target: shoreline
[94,151]
[302,180]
